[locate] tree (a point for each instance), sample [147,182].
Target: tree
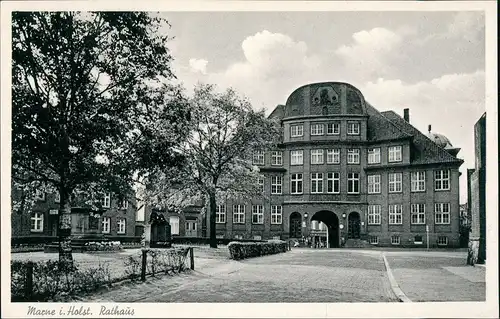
[88,91]
[225,132]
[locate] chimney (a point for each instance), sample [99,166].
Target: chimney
[429,128]
[406,115]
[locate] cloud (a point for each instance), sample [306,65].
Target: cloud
[372,53]
[467,24]
[198,65]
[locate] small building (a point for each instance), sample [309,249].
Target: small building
[476,193]
[115,219]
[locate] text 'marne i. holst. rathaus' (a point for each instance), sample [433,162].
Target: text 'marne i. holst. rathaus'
[349,172]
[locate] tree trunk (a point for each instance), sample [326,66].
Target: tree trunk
[213,237]
[64,231]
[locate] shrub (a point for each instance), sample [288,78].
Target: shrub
[157,261]
[103,246]
[242,250]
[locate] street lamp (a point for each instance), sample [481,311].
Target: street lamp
[344,215]
[305,215]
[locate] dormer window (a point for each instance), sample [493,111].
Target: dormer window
[353,128]
[395,154]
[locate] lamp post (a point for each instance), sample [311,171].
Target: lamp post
[304,224]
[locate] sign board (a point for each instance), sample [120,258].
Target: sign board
[54,212]
[427,228]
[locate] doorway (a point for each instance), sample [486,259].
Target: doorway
[295,225]
[354,226]
[331,221]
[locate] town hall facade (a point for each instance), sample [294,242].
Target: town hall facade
[347,172]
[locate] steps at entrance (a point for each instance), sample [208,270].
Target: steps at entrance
[357,243]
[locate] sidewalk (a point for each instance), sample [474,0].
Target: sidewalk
[438,278]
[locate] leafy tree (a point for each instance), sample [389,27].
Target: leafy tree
[225,132]
[89,90]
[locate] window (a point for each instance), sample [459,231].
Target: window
[442,241]
[260,181]
[219,236]
[374,155]
[353,156]
[57,197]
[395,240]
[333,183]
[124,204]
[37,222]
[258,158]
[106,222]
[418,213]
[418,240]
[190,226]
[374,240]
[442,213]
[122,223]
[395,154]
[373,184]
[442,180]
[39,194]
[352,128]
[395,182]
[297,130]
[317,157]
[238,214]
[258,214]
[417,181]
[333,156]
[276,237]
[374,214]
[276,214]
[296,181]
[106,200]
[277,158]
[276,184]
[333,129]
[257,237]
[220,214]
[395,214]
[316,182]
[238,236]
[317,129]
[296,157]
[353,183]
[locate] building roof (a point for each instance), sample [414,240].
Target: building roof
[425,151]
[380,128]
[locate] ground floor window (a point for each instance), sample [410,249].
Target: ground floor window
[220,214]
[374,240]
[121,223]
[442,240]
[276,237]
[174,225]
[257,237]
[418,240]
[106,221]
[257,214]
[395,240]
[37,222]
[374,214]
[276,214]
[238,237]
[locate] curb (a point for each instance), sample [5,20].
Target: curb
[394,285]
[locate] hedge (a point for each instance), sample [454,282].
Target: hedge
[206,241]
[240,250]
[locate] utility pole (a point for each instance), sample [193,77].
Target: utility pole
[427,233]
[327,238]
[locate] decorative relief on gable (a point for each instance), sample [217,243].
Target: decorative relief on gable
[354,103]
[325,100]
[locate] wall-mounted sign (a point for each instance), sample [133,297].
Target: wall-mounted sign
[427,228]
[53,212]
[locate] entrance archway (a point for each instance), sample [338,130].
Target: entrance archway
[295,225]
[354,226]
[331,221]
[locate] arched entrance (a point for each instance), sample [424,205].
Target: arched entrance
[295,225]
[354,226]
[331,221]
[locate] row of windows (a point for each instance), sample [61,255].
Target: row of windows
[257,214]
[417,215]
[105,201]
[332,156]
[37,220]
[332,185]
[317,129]
[418,240]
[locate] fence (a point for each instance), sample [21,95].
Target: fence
[50,281]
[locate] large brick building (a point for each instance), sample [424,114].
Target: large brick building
[352,172]
[476,193]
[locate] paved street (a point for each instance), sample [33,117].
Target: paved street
[306,275]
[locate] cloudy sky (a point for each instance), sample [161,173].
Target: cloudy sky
[430,62]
